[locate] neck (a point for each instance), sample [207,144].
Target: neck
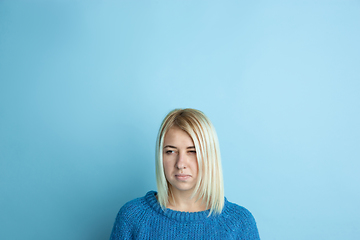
[182,201]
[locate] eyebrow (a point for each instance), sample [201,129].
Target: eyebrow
[169,146]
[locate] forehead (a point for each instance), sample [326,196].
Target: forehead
[177,136]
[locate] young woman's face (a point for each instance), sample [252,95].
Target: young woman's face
[179,160]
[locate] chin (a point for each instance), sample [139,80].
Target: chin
[184,189]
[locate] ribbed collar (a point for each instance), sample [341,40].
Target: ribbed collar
[177,215]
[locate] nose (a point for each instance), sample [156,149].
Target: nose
[181,161]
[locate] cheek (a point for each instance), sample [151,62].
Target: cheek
[197,166]
[167,168]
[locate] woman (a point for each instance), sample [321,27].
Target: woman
[190,201]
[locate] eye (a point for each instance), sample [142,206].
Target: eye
[169,151]
[193,152]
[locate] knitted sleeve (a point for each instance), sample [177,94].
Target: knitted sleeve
[240,221]
[248,227]
[122,228]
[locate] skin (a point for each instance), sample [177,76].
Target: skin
[181,169]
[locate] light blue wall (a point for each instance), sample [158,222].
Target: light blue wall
[84,86]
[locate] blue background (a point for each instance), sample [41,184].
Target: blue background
[84,86]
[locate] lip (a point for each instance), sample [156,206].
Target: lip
[182,177]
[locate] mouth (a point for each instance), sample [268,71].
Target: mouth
[182,177]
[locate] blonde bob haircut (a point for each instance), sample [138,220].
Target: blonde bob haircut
[209,187]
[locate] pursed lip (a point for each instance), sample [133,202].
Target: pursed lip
[182,176]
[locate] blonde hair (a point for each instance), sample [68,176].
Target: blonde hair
[209,187]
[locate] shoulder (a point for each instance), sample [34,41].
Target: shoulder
[235,211]
[129,217]
[133,209]
[238,217]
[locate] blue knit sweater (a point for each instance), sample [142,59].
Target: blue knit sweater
[143,218]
